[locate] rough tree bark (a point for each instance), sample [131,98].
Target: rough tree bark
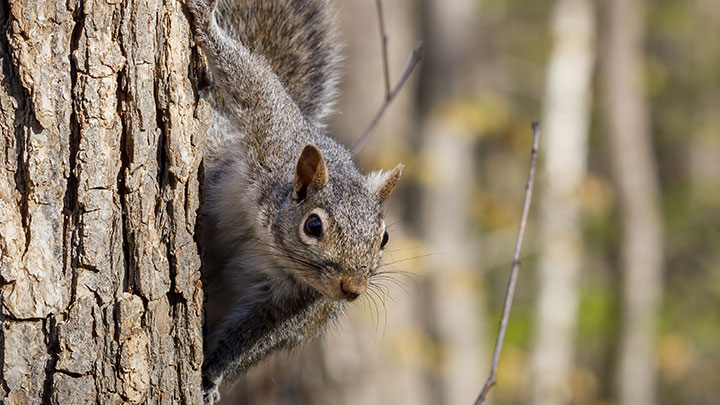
[102,140]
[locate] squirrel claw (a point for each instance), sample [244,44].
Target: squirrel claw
[211,393]
[202,11]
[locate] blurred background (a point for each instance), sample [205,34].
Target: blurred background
[619,293]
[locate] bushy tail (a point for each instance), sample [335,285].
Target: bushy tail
[298,40]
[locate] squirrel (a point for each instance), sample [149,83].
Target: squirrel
[292,230]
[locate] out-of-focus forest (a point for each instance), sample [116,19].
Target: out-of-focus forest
[619,291]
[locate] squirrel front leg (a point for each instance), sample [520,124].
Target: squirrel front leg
[244,341]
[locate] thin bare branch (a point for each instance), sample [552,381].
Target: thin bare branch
[415,58]
[384,39]
[512,282]
[390,94]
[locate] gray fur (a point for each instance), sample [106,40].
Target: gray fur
[273,72]
[299,42]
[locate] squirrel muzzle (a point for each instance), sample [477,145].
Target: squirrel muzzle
[353,286]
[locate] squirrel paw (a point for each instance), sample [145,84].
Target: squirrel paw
[202,12]
[211,391]
[211,395]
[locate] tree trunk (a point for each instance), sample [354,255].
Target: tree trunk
[566,121]
[634,171]
[455,314]
[102,140]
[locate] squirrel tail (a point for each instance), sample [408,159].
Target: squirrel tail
[298,39]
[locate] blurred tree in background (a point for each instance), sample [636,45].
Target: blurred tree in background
[619,293]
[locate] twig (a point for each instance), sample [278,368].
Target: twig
[390,94]
[384,39]
[512,282]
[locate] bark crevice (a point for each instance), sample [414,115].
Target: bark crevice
[52,351]
[122,173]
[71,220]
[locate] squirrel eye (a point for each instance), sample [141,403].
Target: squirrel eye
[313,226]
[385,240]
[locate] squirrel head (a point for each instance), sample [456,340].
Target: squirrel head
[331,229]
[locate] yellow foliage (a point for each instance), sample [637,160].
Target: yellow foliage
[596,195]
[475,117]
[675,353]
[414,348]
[511,374]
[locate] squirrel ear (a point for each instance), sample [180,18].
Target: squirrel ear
[310,173]
[383,183]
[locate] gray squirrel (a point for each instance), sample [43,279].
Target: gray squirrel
[291,229]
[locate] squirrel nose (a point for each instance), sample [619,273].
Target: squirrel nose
[352,289]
